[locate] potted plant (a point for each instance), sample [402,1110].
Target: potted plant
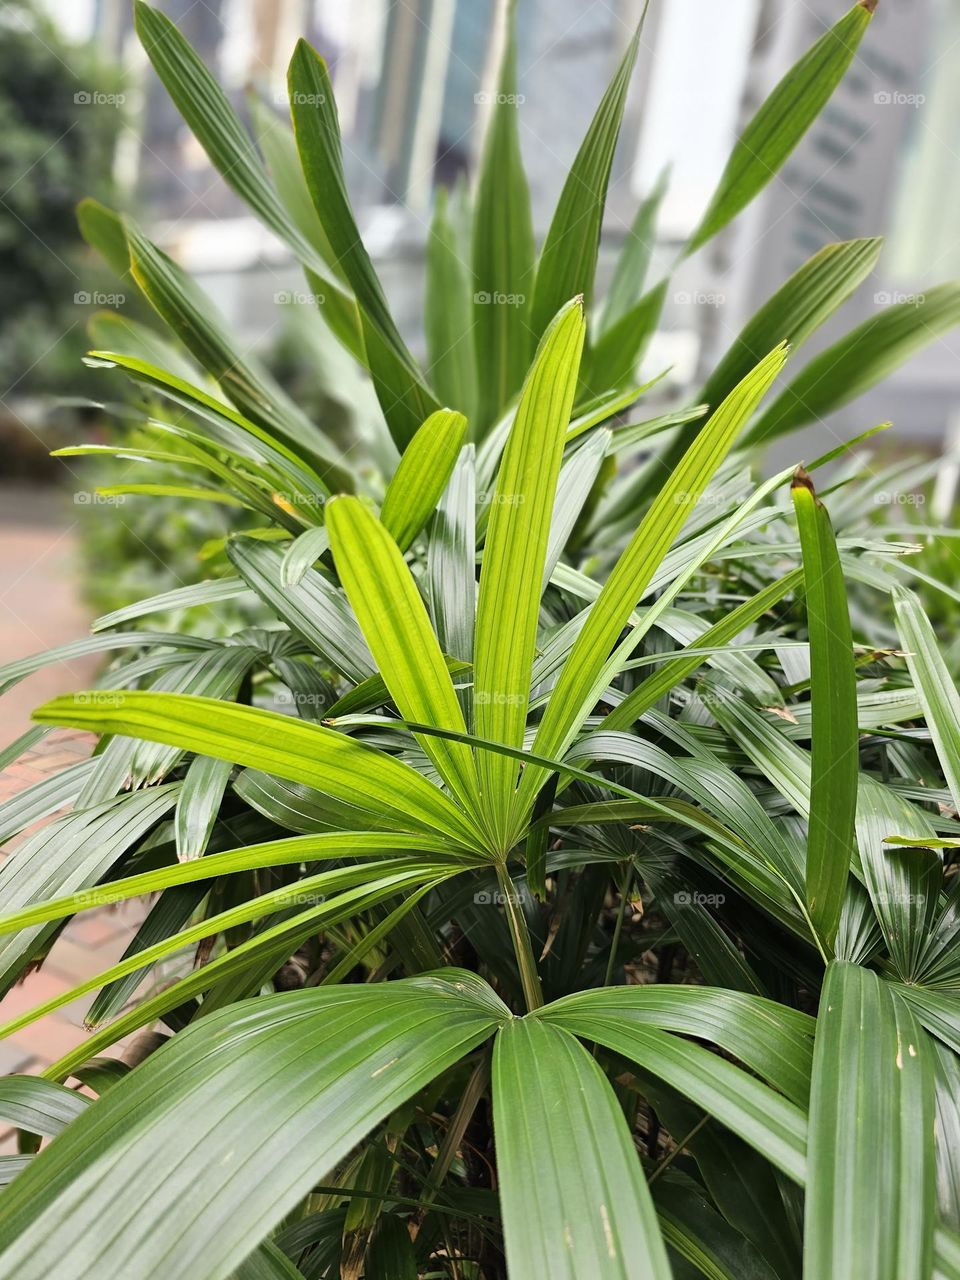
[570,879]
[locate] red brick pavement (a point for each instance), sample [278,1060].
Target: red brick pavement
[39,604]
[90,943]
[40,608]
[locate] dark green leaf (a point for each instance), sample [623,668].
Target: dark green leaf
[782,120]
[568,258]
[870,1209]
[613,360]
[572,1193]
[796,310]
[858,361]
[833,695]
[449,314]
[503,250]
[404,396]
[230,1124]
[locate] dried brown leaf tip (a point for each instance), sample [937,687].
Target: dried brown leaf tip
[801,480]
[869,5]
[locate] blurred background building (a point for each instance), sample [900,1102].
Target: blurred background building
[412,79]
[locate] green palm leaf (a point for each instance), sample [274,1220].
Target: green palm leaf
[577,689]
[870,352]
[515,553]
[763,1118]
[568,258]
[216,1123]
[404,396]
[573,1196]
[502,256]
[833,695]
[871,1200]
[796,310]
[782,120]
[422,475]
[448,314]
[348,769]
[394,619]
[934,684]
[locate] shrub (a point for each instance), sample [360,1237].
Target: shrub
[590,914]
[60,114]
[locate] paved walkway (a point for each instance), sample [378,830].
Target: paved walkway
[38,610]
[39,607]
[90,943]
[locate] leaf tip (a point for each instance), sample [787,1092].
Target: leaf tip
[303,51]
[869,5]
[801,480]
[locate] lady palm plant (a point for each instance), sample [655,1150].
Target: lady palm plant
[566,863]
